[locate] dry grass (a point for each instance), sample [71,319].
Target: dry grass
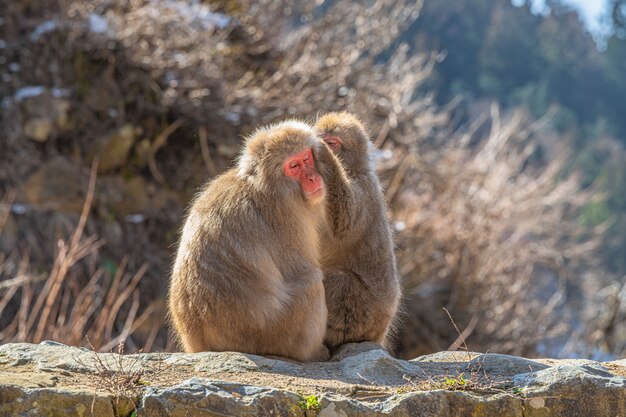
[60,306]
[488,231]
[119,377]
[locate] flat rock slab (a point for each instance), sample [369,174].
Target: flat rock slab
[361,379]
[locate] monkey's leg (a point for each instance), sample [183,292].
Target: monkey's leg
[345,323]
[355,312]
[298,333]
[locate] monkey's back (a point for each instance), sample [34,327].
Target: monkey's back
[228,290]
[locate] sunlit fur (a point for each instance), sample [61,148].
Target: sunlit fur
[247,276]
[357,150]
[360,273]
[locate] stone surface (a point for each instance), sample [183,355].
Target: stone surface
[352,349]
[113,148]
[130,196]
[57,185]
[502,365]
[45,114]
[377,367]
[38,129]
[361,379]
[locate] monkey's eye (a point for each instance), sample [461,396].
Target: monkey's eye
[333,142]
[294,165]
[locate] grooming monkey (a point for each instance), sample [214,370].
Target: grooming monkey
[247,275]
[360,275]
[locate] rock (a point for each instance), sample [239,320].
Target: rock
[113,149]
[57,380]
[18,401]
[47,356]
[132,196]
[351,349]
[231,362]
[124,196]
[200,396]
[502,365]
[142,150]
[38,129]
[332,411]
[378,367]
[447,357]
[44,113]
[445,363]
[57,185]
[566,390]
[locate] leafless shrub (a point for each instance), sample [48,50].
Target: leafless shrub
[120,377]
[58,306]
[330,65]
[491,234]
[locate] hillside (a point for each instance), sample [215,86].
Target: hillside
[114,113]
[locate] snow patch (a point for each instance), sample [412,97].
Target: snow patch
[43,28]
[37,90]
[98,24]
[59,92]
[135,218]
[200,14]
[233,117]
[19,208]
[29,91]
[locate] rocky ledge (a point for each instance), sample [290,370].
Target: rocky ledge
[362,379]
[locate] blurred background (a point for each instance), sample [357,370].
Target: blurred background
[501,127]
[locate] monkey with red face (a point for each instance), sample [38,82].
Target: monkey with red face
[247,275]
[360,274]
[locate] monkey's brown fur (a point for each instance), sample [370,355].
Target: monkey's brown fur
[247,275]
[359,265]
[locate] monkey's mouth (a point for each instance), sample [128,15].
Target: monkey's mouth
[318,193]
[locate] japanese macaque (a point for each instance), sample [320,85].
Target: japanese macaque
[247,275]
[360,274]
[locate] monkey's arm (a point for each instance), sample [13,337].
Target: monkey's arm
[341,198]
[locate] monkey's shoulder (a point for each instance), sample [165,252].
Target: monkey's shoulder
[370,196]
[228,198]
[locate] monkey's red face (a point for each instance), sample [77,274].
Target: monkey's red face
[333,142]
[301,167]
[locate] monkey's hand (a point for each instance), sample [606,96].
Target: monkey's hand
[340,197]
